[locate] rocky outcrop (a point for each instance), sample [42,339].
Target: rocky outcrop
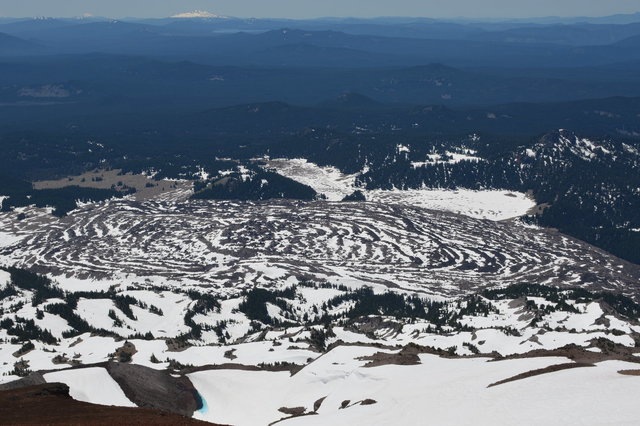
[151,388]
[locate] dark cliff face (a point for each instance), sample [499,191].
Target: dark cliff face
[151,388]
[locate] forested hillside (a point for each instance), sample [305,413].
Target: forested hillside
[587,189]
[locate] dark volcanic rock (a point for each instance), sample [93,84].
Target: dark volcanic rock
[151,388]
[31,380]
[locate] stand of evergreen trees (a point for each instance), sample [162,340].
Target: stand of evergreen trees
[260,185]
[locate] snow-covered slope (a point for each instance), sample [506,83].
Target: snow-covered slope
[314,357]
[438,390]
[325,180]
[197,14]
[486,204]
[565,146]
[5,278]
[91,385]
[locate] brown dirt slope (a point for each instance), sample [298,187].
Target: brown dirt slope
[51,404]
[630,372]
[546,370]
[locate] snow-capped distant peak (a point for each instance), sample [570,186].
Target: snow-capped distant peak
[198,14]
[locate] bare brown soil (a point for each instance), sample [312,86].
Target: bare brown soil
[546,370]
[51,404]
[291,368]
[104,179]
[229,354]
[382,358]
[293,411]
[408,355]
[630,372]
[174,345]
[609,351]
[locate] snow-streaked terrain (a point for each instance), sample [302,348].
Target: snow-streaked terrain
[507,329]
[486,204]
[230,246]
[377,369]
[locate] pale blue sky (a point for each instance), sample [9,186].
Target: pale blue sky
[319,8]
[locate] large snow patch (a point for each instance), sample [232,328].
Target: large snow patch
[484,204]
[92,385]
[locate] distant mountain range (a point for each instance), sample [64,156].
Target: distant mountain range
[198,14]
[223,42]
[130,83]
[617,19]
[10,45]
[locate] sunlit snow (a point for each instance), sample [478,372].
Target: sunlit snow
[485,204]
[91,385]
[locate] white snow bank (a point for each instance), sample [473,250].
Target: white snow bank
[326,180]
[5,279]
[484,204]
[451,397]
[7,239]
[437,391]
[92,385]
[239,397]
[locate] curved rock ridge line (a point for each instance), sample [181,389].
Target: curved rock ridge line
[235,245]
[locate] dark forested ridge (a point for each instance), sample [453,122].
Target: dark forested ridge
[343,135]
[589,192]
[588,188]
[258,185]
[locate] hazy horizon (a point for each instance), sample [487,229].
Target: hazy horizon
[305,9]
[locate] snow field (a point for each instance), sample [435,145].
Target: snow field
[437,391]
[487,204]
[493,205]
[92,385]
[5,279]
